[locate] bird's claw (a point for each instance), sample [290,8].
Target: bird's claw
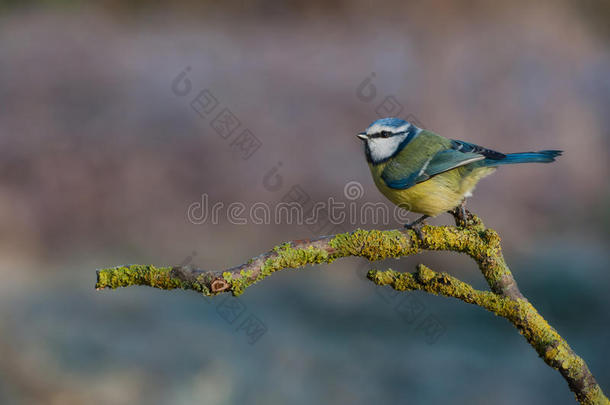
[461,215]
[416,225]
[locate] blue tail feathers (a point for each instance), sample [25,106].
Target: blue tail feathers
[543,156]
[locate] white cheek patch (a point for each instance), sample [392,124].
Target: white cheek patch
[383,148]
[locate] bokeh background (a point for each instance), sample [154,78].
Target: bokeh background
[100,159]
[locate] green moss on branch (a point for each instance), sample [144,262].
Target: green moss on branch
[547,342]
[482,245]
[165,278]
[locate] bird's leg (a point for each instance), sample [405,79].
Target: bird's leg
[416,225]
[461,214]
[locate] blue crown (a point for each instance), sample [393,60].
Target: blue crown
[390,122]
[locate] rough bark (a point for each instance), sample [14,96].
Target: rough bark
[469,236]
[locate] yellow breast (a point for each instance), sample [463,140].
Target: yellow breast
[439,194]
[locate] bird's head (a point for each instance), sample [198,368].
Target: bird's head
[386,137]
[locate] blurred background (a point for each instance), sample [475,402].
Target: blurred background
[103,148]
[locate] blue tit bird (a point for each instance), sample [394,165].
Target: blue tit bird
[426,173]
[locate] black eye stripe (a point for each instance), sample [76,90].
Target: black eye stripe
[385,134]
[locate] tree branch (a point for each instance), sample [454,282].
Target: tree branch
[470,237]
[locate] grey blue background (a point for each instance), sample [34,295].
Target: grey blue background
[99,160]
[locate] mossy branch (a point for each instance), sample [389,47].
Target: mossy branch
[469,236]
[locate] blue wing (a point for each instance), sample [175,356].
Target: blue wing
[471,147]
[460,154]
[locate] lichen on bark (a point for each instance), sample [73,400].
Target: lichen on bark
[469,237]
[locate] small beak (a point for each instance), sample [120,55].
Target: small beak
[363,136]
